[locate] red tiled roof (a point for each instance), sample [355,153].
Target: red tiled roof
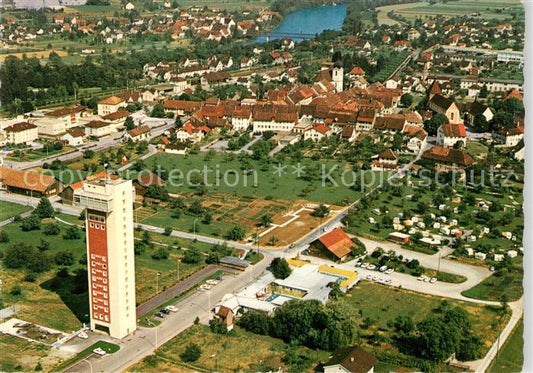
[454,130]
[19,127]
[25,180]
[337,242]
[117,115]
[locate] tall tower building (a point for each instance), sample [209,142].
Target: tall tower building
[110,254]
[337,77]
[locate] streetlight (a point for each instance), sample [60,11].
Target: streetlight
[194,227]
[157,282]
[178,261]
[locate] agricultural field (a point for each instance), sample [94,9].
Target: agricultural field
[484,9]
[9,210]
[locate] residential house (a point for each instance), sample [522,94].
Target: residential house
[477,108]
[21,133]
[110,105]
[225,316]
[509,137]
[74,137]
[448,159]
[387,160]
[349,133]
[241,117]
[146,179]
[450,134]
[98,128]
[141,133]
[317,132]
[350,360]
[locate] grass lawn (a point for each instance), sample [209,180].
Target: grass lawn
[511,356]
[383,304]
[237,351]
[8,210]
[494,287]
[109,348]
[265,183]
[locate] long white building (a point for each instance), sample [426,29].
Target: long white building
[110,254]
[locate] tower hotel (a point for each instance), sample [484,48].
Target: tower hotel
[110,254]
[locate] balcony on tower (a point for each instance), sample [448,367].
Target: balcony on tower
[95,195]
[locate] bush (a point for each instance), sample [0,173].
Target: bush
[32,223]
[16,290]
[168,231]
[64,258]
[192,256]
[236,233]
[72,233]
[43,245]
[192,353]
[51,229]
[4,237]
[160,253]
[280,268]
[30,277]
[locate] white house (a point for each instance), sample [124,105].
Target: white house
[110,105]
[509,137]
[21,133]
[74,137]
[449,134]
[317,132]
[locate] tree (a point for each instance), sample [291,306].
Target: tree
[192,353]
[72,233]
[51,229]
[4,237]
[64,258]
[266,220]
[43,245]
[160,253]
[434,123]
[406,100]
[158,111]
[196,207]
[236,233]
[481,124]
[218,327]
[280,268]
[31,223]
[257,322]
[16,255]
[44,209]
[156,192]
[192,256]
[321,211]
[129,124]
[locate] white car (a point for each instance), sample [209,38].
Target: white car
[211,282]
[99,351]
[382,268]
[83,335]
[389,271]
[171,308]
[369,277]
[371,267]
[433,280]
[421,278]
[364,265]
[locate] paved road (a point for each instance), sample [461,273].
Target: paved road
[152,150]
[178,289]
[103,144]
[145,340]
[10,220]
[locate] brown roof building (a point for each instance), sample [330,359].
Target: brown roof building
[337,243]
[350,360]
[28,183]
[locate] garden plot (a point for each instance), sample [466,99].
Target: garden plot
[33,332]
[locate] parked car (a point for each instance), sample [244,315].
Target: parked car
[389,271]
[364,265]
[99,351]
[382,268]
[83,335]
[159,314]
[433,280]
[371,267]
[164,311]
[171,308]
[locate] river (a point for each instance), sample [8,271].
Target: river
[309,21]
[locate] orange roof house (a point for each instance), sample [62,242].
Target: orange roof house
[337,243]
[28,183]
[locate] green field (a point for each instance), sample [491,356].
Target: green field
[488,9]
[8,210]
[511,357]
[494,287]
[383,304]
[265,182]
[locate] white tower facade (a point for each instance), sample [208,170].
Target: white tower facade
[337,77]
[110,254]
